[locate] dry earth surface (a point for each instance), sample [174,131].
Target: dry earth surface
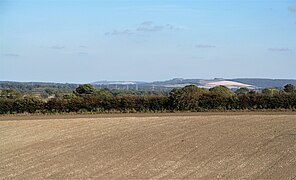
[207,146]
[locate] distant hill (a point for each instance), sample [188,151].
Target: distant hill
[170,84]
[252,83]
[117,82]
[266,83]
[167,85]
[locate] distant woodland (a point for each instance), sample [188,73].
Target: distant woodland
[86,98]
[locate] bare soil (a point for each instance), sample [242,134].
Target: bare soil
[178,146]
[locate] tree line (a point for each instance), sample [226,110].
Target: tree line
[86,98]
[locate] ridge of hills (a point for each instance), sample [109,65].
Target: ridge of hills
[251,83]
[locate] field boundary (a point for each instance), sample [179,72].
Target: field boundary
[18,117]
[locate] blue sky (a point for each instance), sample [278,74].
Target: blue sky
[89,40]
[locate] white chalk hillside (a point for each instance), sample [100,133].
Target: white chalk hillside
[229,84]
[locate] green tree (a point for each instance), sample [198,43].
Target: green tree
[241,91]
[186,98]
[270,91]
[104,93]
[28,104]
[289,88]
[85,89]
[10,94]
[222,90]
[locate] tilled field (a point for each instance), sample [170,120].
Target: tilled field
[167,147]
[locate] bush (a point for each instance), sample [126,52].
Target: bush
[28,104]
[6,106]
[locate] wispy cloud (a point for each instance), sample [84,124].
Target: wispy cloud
[149,26]
[126,32]
[82,46]
[205,46]
[147,23]
[56,47]
[146,26]
[173,28]
[279,49]
[11,55]
[292,9]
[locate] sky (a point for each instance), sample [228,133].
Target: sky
[81,41]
